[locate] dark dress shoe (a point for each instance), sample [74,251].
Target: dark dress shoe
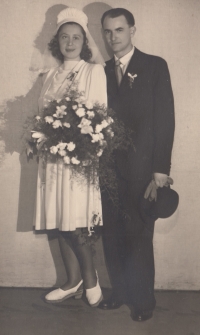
[141,316]
[110,304]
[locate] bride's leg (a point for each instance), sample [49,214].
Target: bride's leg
[82,248]
[70,261]
[81,244]
[74,284]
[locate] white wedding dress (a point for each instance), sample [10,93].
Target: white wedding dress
[62,202]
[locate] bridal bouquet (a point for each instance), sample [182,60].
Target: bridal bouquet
[78,133]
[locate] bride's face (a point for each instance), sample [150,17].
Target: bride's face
[71,41]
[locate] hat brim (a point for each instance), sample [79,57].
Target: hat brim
[164,207]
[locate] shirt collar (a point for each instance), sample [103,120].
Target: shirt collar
[126,58]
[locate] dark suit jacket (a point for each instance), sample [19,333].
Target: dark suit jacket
[148,109]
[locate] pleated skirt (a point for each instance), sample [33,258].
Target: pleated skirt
[64,202]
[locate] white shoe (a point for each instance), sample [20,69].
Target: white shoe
[60,295]
[94,295]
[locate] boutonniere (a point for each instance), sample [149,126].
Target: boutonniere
[131,78]
[72,75]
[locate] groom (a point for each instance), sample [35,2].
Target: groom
[139,91]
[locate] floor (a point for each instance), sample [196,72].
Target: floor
[24,312]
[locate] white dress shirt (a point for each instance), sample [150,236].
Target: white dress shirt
[125,60]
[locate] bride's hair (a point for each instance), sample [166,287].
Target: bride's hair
[86,53]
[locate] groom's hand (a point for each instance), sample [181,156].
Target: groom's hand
[160,179]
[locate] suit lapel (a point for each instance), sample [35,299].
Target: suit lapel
[134,68]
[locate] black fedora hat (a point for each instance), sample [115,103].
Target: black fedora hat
[162,207]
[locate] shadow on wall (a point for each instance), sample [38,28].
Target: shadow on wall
[15,113]
[18,109]
[94,12]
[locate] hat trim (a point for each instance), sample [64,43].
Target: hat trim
[73,20]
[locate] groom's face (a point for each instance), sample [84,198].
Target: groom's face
[118,34]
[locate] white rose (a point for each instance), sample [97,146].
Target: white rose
[53,149]
[98,128]
[86,130]
[89,104]
[99,153]
[84,122]
[63,107]
[82,98]
[101,136]
[74,107]
[66,124]
[80,112]
[56,124]
[90,114]
[60,111]
[103,143]
[75,161]
[40,136]
[95,138]
[110,120]
[61,145]
[37,134]
[71,146]
[67,99]
[38,117]
[66,160]
[62,153]
[104,124]
[48,119]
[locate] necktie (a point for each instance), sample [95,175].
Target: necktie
[118,71]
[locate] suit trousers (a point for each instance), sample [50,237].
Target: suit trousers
[128,246]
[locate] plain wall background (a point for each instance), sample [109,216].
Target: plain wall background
[169,29]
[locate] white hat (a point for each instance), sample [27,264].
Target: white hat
[43,62]
[71,14]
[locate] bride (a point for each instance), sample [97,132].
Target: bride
[61,202]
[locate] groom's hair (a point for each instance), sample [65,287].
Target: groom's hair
[115,12]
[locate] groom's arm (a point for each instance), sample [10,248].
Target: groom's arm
[164,123]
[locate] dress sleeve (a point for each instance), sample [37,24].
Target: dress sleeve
[97,87]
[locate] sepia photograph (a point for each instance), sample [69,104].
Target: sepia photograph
[100,167]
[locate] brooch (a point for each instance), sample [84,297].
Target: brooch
[72,75]
[131,78]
